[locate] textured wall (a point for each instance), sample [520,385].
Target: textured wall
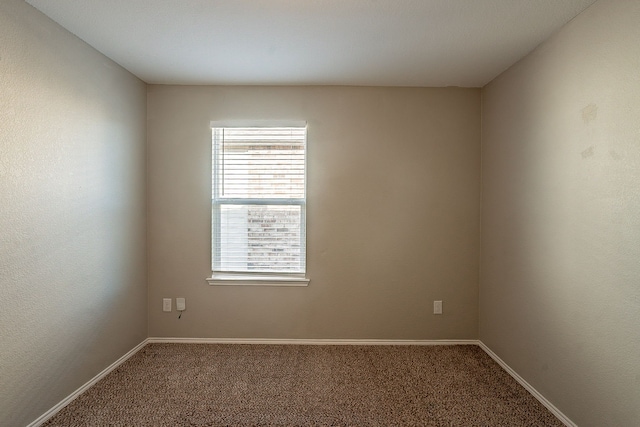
[560,282]
[393,204]
[72,213]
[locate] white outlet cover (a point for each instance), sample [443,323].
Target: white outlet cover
[180,304]
[437,307]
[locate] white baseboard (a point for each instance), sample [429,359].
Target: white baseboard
[307,341]
[51,412]
[550,406]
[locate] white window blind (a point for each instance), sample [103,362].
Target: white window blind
[258,208]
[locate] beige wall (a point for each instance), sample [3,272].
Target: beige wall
[560,281]
[393,205]
[72,213]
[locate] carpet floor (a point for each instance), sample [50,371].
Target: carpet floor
[304,385]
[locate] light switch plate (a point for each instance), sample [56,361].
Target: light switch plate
[166,304]
[180,304]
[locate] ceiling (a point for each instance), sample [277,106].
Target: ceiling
[432,43]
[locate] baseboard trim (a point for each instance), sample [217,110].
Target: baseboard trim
[57,408]
[550,406]
[161,340]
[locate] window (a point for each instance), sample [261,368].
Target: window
[258,205]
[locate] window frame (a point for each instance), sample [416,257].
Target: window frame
[224,278]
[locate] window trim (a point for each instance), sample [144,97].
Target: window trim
[258,279]
[223,278]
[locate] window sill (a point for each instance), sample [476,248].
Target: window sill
[227,279]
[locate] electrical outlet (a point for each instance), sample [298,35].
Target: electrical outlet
[437,307]
[166,304]
[180,304]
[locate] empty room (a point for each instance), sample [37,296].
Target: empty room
[319,212]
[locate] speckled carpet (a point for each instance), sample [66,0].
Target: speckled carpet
[298,385]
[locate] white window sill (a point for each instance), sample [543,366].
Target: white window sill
[228,279]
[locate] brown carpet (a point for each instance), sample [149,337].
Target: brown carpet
[298,385]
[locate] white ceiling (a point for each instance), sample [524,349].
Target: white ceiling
[314,42]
